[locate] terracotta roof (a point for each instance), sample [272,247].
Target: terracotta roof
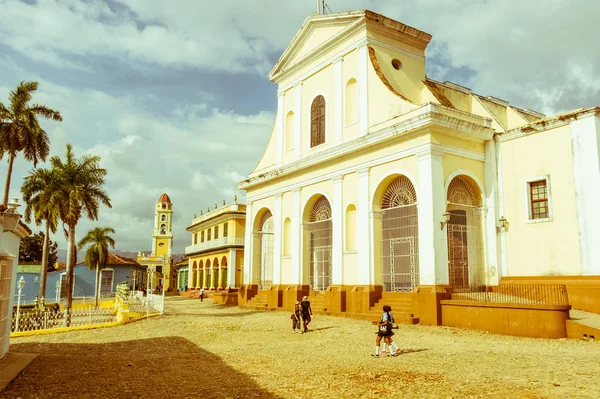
[114,260]
[164,198]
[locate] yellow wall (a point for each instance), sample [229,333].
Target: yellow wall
[543,248]
[160,251]
[318,36]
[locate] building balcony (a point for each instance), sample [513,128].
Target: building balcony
[214,244]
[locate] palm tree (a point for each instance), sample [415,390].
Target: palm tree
[39,193]
[20,130]
[80,193]
[97,253]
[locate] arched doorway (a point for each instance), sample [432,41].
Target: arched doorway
[465,239]
[207,274]
[224,283]
[193,283]
[264,238]
[399,236]
[215,274]
[320,238]
[200,283]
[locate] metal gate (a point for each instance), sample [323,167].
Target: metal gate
[265,239]
[401,273]
[464,247]
[320,275]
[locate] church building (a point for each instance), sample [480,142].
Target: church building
[378,180]
[159,262]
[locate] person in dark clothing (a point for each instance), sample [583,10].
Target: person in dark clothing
[385,330]
[306,312]
[296,317]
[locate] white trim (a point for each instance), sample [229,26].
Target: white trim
[491,217]
[501,210]
[391,172]
[277,238]
[231,268]
[248,255]
[363,224]
[327,140]
[373,162]
[363,102]
[458,172]
[528,182]
[395,49]
[338,100]
[310,196]
[296,277]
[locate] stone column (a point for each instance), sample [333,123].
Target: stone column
[364,228]
[338,101]
[433,248]
[248,245]
[298,121]
[232,268]
[363,103]
[337,221]
[277,198]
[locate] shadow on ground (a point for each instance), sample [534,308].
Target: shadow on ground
[169,367]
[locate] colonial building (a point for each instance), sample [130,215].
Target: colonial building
[159,261]
[216,254]
[378,179]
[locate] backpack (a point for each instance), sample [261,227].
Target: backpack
[387,328]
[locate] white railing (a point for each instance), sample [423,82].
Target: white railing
[34,320]
[217,212]
[219,242]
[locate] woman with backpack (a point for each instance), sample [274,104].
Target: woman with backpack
[385,331]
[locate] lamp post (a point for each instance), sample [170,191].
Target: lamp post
[57,290]
[21,285]
[10,217]
[162,309]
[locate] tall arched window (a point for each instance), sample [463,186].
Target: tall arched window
[289,131]
[351,102]
[317,121]
[163,218]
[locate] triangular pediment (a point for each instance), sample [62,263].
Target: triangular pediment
[316,31]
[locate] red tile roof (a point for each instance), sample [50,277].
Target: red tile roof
[164,198]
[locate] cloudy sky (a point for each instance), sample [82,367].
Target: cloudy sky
[173,94]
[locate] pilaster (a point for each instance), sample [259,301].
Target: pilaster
[338,101]
[503,254]
[280,128]
[296,238]
[337,219]
[492,239]
[363,103]
[298,121]
[248,245]
[433,248]
[363,226]
[585,136]
[277,239]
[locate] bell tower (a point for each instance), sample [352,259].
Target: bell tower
[162,238]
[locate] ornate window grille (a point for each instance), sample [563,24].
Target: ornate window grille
[317,121]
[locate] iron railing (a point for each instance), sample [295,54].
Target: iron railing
[524,294]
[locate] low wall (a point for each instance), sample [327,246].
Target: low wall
[538,321]
[225,298]
[583,291]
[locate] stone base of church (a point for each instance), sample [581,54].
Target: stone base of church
[293,293]
[361,298]
[246,292]
[427,303]
[226,296]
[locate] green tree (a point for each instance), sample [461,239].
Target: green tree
[97,253]
[80,193]
[20,130]
[39,193]
[31,250]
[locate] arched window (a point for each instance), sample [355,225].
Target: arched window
[289,131]
[287,237]
[163,229]
[317,121]
[351,228]
[351,102]
[163,218]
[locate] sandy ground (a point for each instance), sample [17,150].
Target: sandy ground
[200,350]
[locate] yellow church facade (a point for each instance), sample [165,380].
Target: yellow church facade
[377,179]
[159,261]
[216,253]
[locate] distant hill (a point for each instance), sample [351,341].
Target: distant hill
[62,255]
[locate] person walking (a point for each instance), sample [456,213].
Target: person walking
[296,317]
[385,331]
[306,311]
[201,294]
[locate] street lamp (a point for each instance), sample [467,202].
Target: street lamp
[446,216]
[21,285]
[10,217]
[57,290]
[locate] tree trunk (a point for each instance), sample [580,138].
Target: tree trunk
[45,250]
[97,293]
[11,160]
[70,273]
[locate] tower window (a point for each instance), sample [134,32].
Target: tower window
[163,218]
[397,64]
[216,232]
[162,244]
[163,229]
[225,229]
